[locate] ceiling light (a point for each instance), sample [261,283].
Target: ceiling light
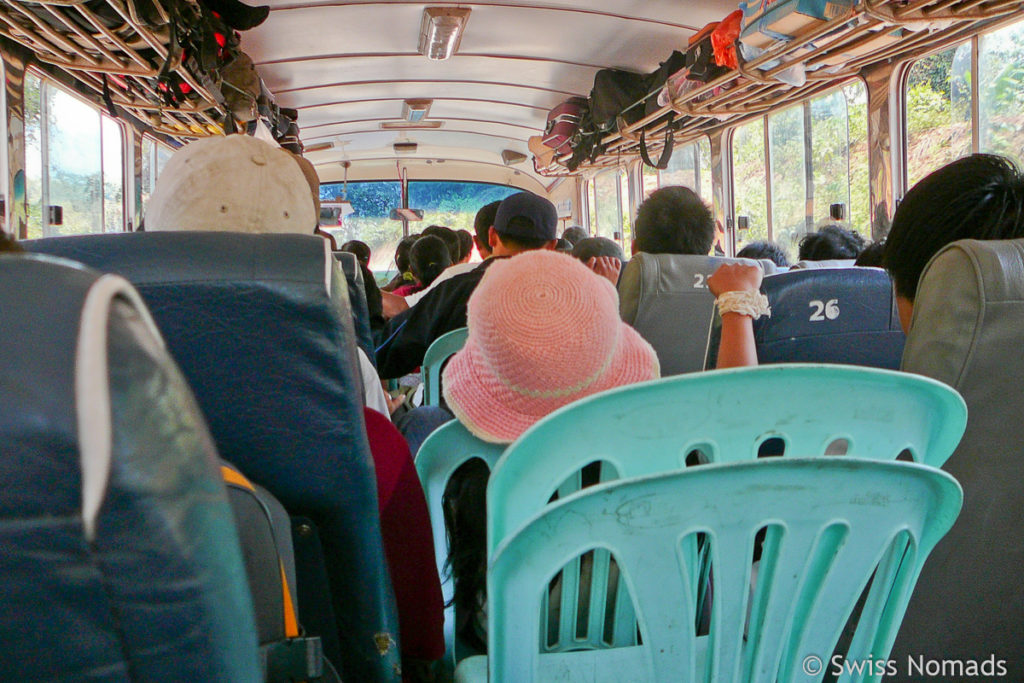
[415,110]
[509,157]
[441,31]
[318,147]
[406,125]
[405,147]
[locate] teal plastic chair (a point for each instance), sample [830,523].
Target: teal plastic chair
[724,415]
[831,525]
[448,447]
[441,350]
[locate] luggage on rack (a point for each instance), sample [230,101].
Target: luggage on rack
[766,22]
[700,56]
[617,93]
[563,123]
[657,80]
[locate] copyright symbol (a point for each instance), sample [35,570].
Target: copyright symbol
[811,665]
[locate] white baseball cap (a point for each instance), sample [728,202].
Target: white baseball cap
[233,184]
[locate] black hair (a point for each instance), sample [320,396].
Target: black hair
[563,245]
[762,250]
[465,517]
[360,249]
[450,237]
[976,197]
[428,257]
[674,220]
[484,220]
[871,256]
[465,244]
[597,246]
[402,252]
[832,241]
[574,234]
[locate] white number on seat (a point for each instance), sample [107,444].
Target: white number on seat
[823,310]
[698,281]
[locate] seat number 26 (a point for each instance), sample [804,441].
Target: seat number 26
[824,310]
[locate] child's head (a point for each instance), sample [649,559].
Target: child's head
[428,257]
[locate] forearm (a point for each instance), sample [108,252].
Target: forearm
[736,346]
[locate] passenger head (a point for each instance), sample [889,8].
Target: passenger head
[465,245]
[449,237]
[360,249]
[482,227]
[674,220]
[871,256]
[428,257]
[544,331]
[832,241]
[977,197]
[574,234]
[588,247]
[765,250]
[524,221]
[402,252]
[563,245]
[235,183]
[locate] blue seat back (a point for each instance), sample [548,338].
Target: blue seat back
[665,298]
[120,558]
[827,315]
[443,452]
[967,330]
[822,546]
[357,301]
[442,348]
[261,327]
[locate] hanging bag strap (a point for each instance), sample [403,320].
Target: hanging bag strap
[666,151]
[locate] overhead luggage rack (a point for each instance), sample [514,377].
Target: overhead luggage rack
[128,53]
[873,31]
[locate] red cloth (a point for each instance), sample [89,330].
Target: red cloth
[408,541]
[406,290]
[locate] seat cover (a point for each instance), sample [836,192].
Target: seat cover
[120,559]
[967,330]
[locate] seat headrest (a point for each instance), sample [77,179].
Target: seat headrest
[665,298]
[827,263]
[112,504]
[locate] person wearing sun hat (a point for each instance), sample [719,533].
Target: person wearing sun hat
[544,331]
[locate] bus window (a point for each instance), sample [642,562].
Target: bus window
[1001,71]
[839,155]
[67,142]
[610,200]
[690,166]
[155,156]
[592,207]
[938,106]
[371,220]
[751,189]
[789,177]
[649,178]
[453,204]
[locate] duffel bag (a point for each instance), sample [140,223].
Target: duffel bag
[617,93]
[563,123]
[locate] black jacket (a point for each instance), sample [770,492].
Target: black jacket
[408,335]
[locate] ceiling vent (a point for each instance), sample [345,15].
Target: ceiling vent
[509,157]
[405,147]
[406,125]
[415,111]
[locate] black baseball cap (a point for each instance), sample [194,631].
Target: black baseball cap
[539,211]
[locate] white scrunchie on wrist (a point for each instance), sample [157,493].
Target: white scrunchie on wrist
[748,302]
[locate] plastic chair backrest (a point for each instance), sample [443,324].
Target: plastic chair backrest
[120,558]
[831,526]
[828,315]
[443,452]
[443,348]
[665,298]
[261,328]
[726,415]
[823,264]
[357,300]
[967,330]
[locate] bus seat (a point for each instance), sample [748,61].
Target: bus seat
[357,301]
[261,327]
[443,452]
[763,627]
[828,315]
[968,331]
[825,263]
[120,558]
[442,348]
[665,298]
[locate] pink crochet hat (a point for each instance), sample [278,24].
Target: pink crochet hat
[544,331]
